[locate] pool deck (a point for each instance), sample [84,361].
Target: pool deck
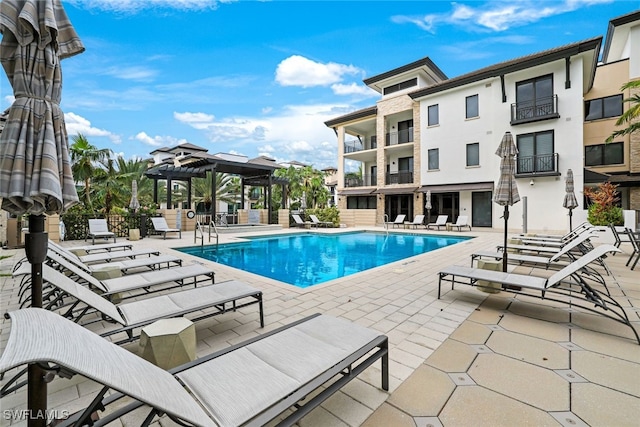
[468,359]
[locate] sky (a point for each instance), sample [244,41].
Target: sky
[260,78]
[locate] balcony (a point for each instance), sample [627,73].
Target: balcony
[360,145]
[534,110]
[403,177]
[540,165]
[399,137]
[364,181]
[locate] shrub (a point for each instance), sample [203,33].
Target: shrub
[326,214]
[603,210]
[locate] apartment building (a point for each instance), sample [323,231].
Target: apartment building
[441,135]
[618,161]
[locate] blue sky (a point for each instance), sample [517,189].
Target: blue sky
[262,77]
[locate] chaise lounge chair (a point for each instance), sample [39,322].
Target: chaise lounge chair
[317,223]
[103,256]
[106,247]
[418,220]
[557,237]
[634,238]
[300,222]
[99,228]
[462,222]
[576,292]
[441,221]
[283,373]
[221,297]
[397,222]
[160,226]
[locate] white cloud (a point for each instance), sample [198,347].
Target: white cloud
[353,89]
[297,70]
[132,73]
[77,124]
[158,141]
[198,121]
[495,15]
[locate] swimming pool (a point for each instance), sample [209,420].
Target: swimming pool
[307,259]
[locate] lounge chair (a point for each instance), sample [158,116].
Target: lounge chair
[99,228]
[576,292]
[299,222]
[106,247]
[441,221]
[103,256]
[576,242]
[221,297]
[418,220]
[634,238]
[315,221]
[160,226]
[620,234]
[558,237]
[397,222]
[283,373]
[462,222]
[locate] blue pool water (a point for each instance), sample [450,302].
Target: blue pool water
[307,259]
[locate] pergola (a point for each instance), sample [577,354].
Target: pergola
[256,172]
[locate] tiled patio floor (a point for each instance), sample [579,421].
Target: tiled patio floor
[468,359]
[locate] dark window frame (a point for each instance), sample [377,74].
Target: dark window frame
[603,153]
[477,106]
[477,145]
[357,202]
[538,161]
[601,114]
[400,86]
[430,109]
[437,158]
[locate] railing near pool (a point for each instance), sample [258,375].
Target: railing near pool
[198,229]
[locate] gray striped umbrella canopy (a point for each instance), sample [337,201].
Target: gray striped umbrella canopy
[570,201]
[507,190]
[427,201]
[506,193]
[134,204]
[35,168]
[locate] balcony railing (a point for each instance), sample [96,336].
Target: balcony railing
[357,145]
[534,110]
[364,181]
[399,137]
[399,178]
[542,164]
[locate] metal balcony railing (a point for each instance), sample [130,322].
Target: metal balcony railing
[356,145]
[534,110]
[542,164]
[399,137]
[403,177]
[364,181]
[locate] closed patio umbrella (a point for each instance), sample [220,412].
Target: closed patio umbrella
[134,204]
[35,168]
[507,190]
[570,201]
[427,205]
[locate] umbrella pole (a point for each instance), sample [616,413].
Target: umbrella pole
[570,215]
[36,251]
[504,247]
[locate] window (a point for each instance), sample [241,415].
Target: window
[534,99]
[601,108]
[604,154]
[535,153]
[405,131]
[472,106]
[433,118]
[473,154]
[434,159]
[361,202]
[400,86]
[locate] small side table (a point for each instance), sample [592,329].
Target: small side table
[168,343]
[449,226]
[489,287]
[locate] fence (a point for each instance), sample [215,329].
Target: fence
[77,225]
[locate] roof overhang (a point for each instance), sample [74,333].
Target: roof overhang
[396,190]
[356,192]
[452,188]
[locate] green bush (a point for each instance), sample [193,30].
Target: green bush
[331,214]
[597,215]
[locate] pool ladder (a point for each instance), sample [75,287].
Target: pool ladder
[198,229]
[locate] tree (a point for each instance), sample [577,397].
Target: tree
[227,189]
[631,117]
[84,157]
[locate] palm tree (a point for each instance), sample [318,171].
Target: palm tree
[84,157]
[227,189]
[632,115]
